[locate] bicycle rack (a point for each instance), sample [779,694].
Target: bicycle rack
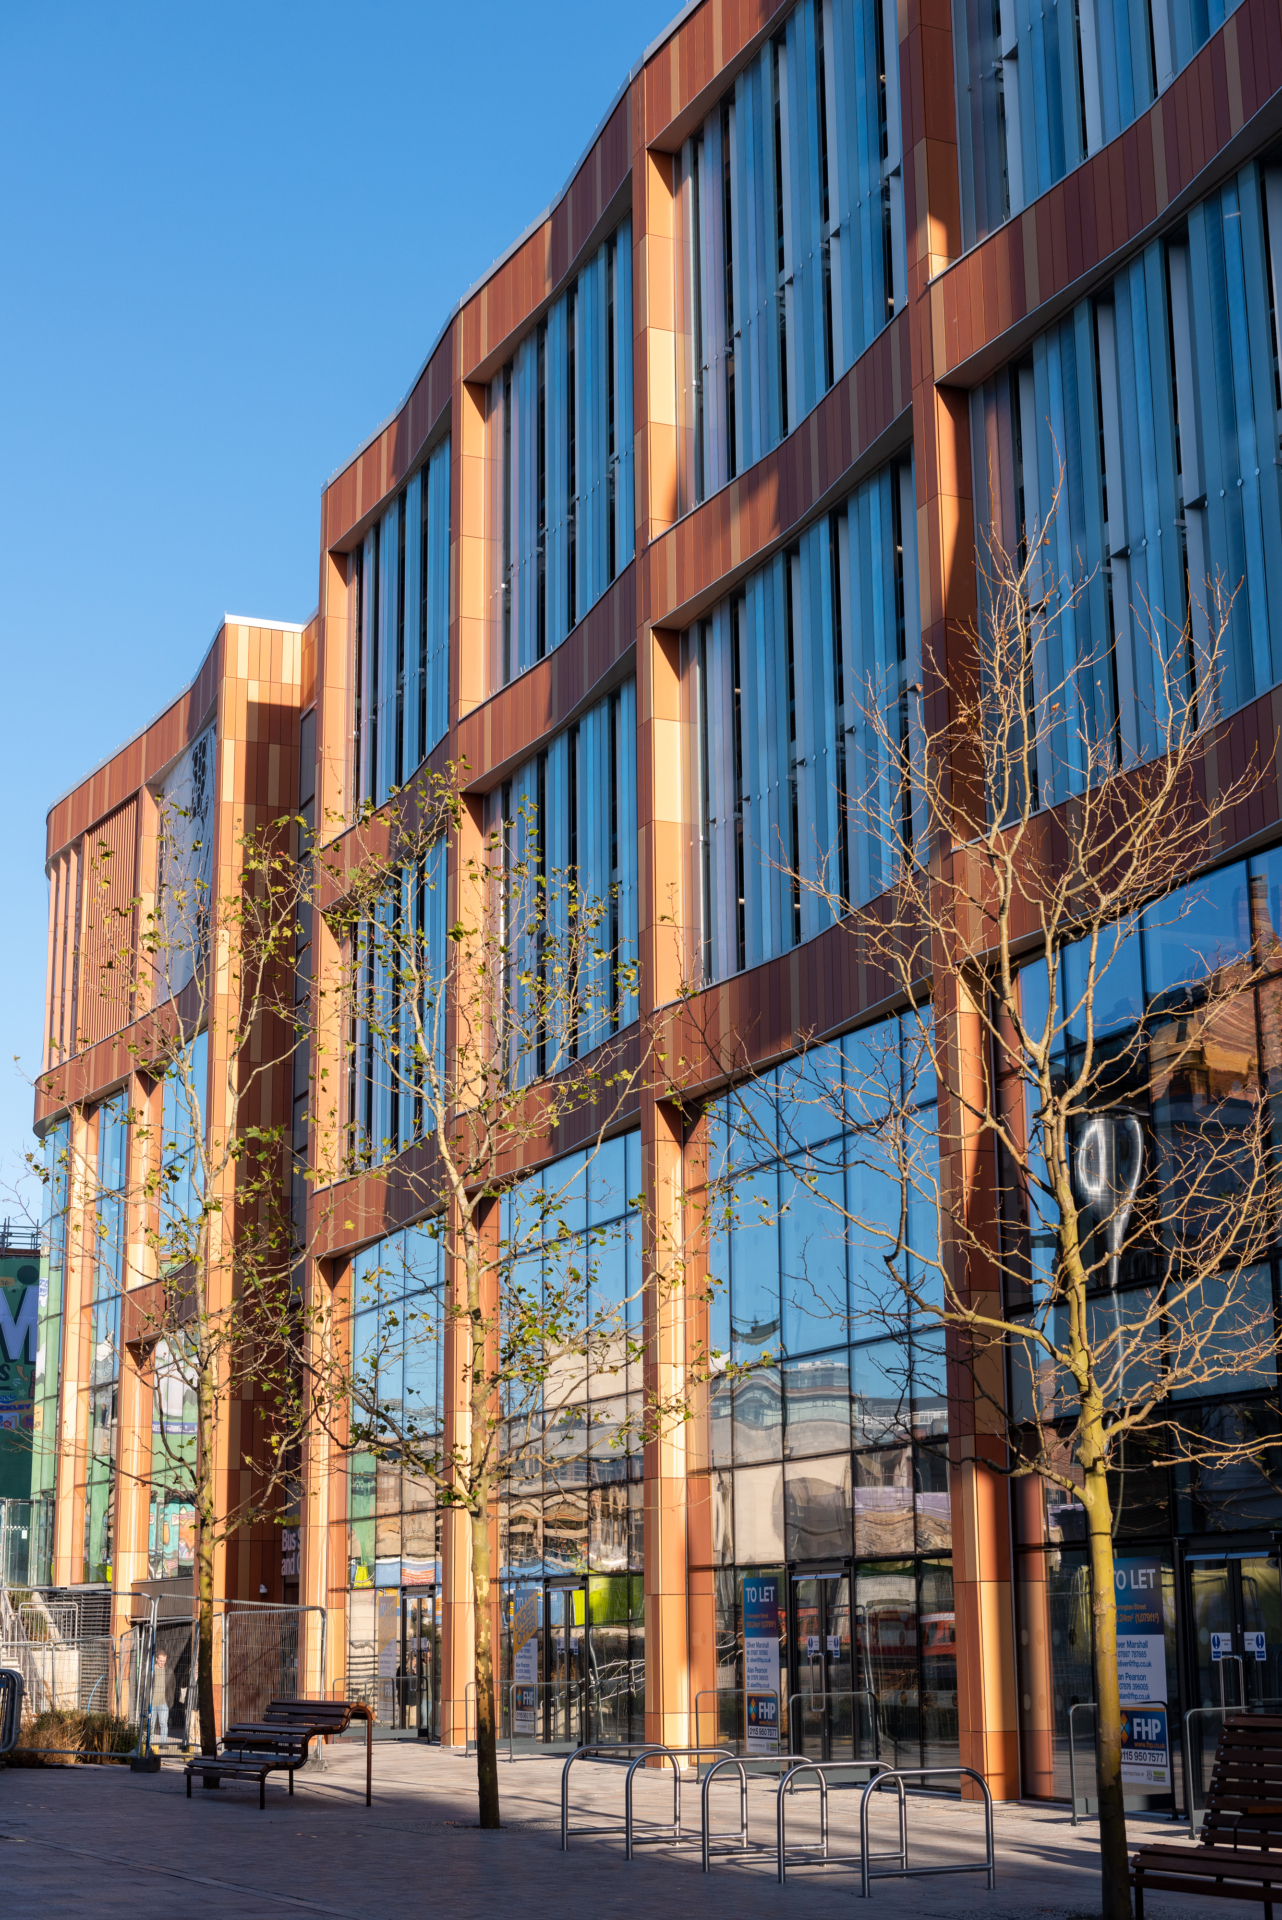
[669,1753]
[641,1749]
[823,1768]
[905,1872]
[730,1842]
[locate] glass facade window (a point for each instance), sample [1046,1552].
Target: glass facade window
[399,618]
[559,458]
[571,1544]
[47,1383]
[172,1521]
[1153,408]
[567,825]
[829,1455]
[393,1524]
[109,1223]
[789,235]
[401,948]
[1041,88]
[1201,1531]
[800,722]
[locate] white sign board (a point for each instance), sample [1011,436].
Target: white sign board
[761,1662]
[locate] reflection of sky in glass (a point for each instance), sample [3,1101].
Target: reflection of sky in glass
[1197,929]
[1119,989]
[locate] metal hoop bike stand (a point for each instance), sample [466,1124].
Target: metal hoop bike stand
[729,1842]
[641,1748]
[905,1872]
[656,1829]
[823,1768]
[642,1751]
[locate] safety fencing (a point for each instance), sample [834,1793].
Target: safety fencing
[138,1693]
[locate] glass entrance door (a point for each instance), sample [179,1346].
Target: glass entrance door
[421,1664]
[1235,1612]
[565,1635]
[829,1721]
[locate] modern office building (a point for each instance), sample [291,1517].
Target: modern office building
[833,292]
[218,761]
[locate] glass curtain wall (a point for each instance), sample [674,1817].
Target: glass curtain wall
[571,1521]
[796,694]
[1189,1523]
[112,1172]
[399,613]
[48,1373]
[559,460]
[567,821]
[1039,89]
[171,1525]
[393,1523]
[386,1082]
[789,235]
[1153,409]
[829,1459]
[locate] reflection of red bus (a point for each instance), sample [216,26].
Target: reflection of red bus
[938,1632]
[888,1633]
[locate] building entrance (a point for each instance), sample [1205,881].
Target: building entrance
[565,1614]
[1234,1611]
[828,1717]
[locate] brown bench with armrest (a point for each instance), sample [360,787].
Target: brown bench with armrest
[1239,1852]
[278,1743]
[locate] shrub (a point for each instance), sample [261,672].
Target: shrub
[71,1733]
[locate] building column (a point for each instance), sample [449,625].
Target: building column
[946,564]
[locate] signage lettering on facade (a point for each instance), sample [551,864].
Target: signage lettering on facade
[1141,1671]
[1145,1748]
[525,1665]
[761,1662]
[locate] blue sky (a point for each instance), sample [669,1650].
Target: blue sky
[232,233]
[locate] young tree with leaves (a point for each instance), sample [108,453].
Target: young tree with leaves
[192,1244]
[489,1005]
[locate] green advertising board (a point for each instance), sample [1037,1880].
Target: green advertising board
[19,1337]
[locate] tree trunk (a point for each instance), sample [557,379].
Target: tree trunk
[1114,1853]
[487,1757]
[204,1504]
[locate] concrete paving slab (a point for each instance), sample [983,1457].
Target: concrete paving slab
[103,1841]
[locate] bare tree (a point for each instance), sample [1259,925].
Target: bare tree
[483,1030]
[1086,1224]
[188,1234]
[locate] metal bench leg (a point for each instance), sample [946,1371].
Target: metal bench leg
[189,1786]
[291,1783]
[262,1793]
[1139,1898]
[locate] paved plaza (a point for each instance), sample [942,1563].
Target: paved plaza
[103,1841]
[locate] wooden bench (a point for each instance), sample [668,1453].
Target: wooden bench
[1239,1850]
[279,1742]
